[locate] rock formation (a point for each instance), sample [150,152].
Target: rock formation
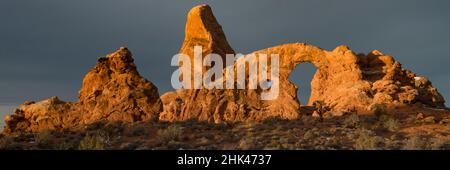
[344,81]
[112,91]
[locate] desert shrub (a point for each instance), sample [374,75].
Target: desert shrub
[288,146]
[173,132]
[176,145]
[65,146]
[222,126]
[352,121]
[367,140]
[310,134]
[379,111]
[247,143]
[114,128]
[273,145]
[11,143]
[43,139]
[439,144]
[306,119]
[320,107]
[191,121]
[5,143]
[278,142]
[391,125]
[414,143]
[334,142]
[272,120]
[139,130]
[154,118]
[97,141]
[96,125]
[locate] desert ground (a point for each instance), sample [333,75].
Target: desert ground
[405,128]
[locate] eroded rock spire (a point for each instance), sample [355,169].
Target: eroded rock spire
[202,29]
[112,91]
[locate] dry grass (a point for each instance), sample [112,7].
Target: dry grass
[391,125]
[439,144]
[348,132]
[173,132]
[310,134]
[96,141]
[414,143]
[114,128]
[65,146]
[352,121]
[44,139]
[5,143]
[367,140]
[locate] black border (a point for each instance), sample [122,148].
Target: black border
[168,159]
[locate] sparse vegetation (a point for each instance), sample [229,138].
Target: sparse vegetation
[65,146]
[96,141]
[114,128]
[96,125]
[310,134]
[139,130]
[367,140]
[349,132]
[247,143]
[5,143]
[391,125]
[44,139]
[320,107]
[222,126]
[272,120]
[154,118]
[414,143]
[352,121]
[439,144]
[172,132]
[379,111]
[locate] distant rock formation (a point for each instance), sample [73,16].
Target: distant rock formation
[344,82]
[112,91]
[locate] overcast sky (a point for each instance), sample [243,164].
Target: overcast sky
[47,46]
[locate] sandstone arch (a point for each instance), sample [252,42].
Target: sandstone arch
[114,90]
[344,81]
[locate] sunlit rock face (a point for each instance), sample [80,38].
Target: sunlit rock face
[112,91]
[344,82]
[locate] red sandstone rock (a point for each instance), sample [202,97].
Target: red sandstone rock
[112,91]
[344,81]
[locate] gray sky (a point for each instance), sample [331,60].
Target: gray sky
[3,111]
[47,46]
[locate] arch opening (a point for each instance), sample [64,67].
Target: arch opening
[301,77]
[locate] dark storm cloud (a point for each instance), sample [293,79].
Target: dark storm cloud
[47,46]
